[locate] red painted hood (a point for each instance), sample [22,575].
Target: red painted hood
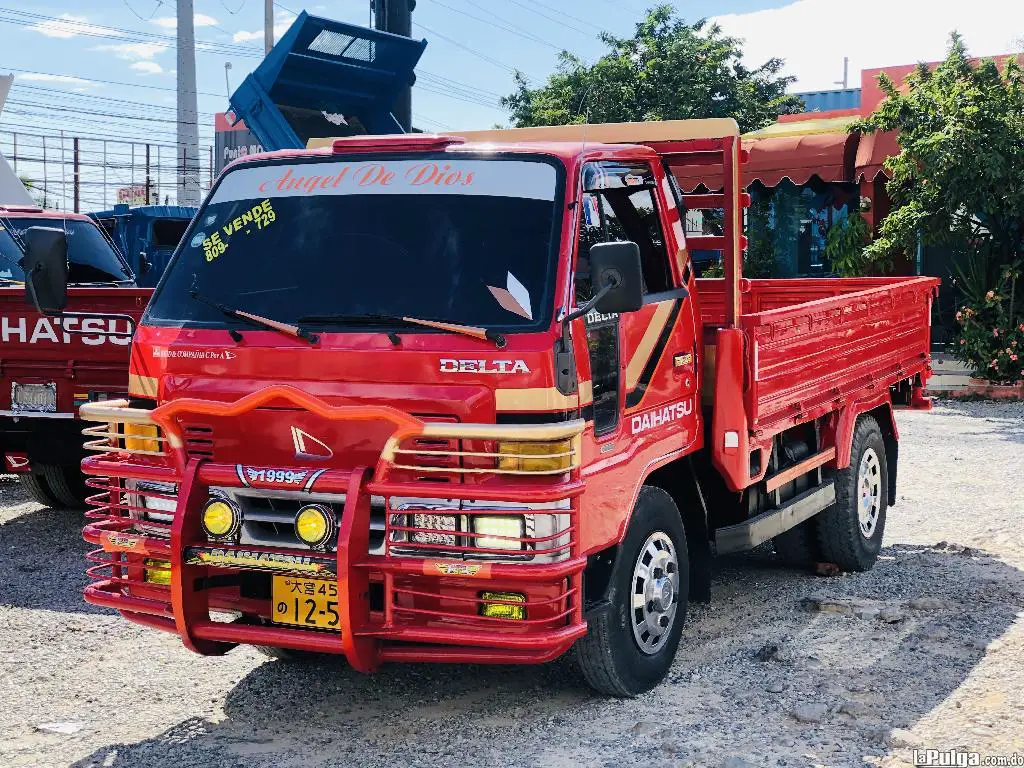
[432,376]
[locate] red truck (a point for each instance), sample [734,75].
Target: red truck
[51,366]
[461,399]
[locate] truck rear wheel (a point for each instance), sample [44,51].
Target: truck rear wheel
[630,646]
[35,485]
[850,532]
[66,483]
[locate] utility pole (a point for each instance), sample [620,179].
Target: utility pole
[188,109]
[268,25]
[395,16]
[845,82]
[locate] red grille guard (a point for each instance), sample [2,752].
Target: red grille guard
[430,605]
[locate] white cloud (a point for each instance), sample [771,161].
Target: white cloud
[41,77]
[244,37]
[813,36]
[68,26]
[147,67]
[133,51]
[282,21]
[171,22]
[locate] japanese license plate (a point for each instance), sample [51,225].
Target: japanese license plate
[306,602]
[34,398]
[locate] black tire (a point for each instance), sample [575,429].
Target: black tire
[798,547]
[35,485]
[67,484]
[840,534]
[610,656]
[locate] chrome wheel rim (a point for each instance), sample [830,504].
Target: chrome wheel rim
[655,592]
[869,488]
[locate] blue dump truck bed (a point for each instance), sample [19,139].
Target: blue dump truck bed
[326,78]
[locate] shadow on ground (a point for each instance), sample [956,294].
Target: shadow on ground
[725,695]
[44,564]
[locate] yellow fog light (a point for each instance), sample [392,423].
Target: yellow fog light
[535,457]
[501,531]
[500,610]
[141,437]
[221,519]
[157,571]
[314,524]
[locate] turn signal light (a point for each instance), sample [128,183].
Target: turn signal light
[157,571]
[501,610]
[221,519]
[535,457]
[141,437]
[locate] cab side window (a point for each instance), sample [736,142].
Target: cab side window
[620,204]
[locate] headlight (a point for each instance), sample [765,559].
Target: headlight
[535,457]
[314,524]
[141,437]
[437,523]
[155,503]
[221,519]
[494,526]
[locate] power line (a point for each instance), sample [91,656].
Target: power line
[505,25]
[107,82]
[476,53]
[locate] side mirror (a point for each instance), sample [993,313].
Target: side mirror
[46,268]
[616,273]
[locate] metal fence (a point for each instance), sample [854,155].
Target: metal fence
[71,173]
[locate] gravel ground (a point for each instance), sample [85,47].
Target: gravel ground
[783,668]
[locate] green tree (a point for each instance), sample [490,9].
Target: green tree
[960,175]
[668,70]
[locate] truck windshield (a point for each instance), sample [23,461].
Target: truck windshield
[458,240]
[90,257]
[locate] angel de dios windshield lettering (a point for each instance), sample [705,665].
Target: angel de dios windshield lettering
[370,174]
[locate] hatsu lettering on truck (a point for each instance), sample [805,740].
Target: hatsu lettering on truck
[659,417]
[58,330]
[449,365]
[369,175]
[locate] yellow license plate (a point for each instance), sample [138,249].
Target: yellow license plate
[306,602]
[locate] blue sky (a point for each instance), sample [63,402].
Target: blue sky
[116,80]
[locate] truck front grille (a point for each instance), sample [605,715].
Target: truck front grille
[268,517]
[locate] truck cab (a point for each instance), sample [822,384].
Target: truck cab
[51,366]
[462,399]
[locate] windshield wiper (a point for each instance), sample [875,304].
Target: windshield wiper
[296,331]
[484,334]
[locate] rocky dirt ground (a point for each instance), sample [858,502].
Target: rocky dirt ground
[783,668]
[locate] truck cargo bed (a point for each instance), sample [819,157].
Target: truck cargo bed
[812,345]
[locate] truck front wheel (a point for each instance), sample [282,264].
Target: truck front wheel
[631,644]
[850,532]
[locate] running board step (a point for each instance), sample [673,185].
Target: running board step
[768,525]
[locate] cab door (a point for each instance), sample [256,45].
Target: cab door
[642,364]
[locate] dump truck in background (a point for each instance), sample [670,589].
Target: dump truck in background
[501,419]
[146,235]
[51,366]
